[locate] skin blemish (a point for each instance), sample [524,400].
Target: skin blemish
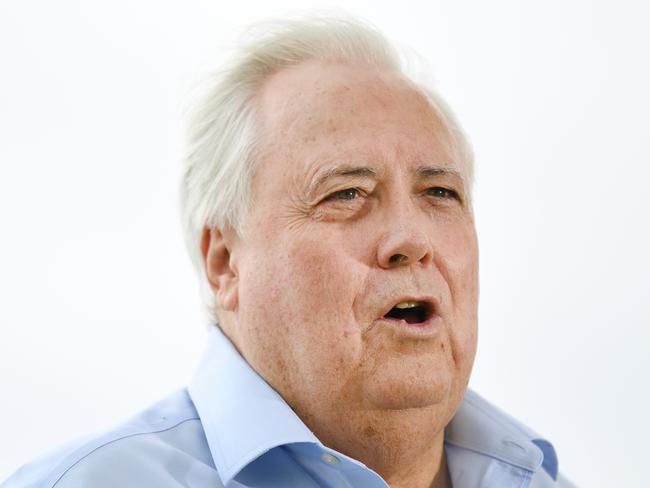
[369,431]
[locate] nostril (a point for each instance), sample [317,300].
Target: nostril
[397,258]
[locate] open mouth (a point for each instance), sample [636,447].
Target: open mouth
[413,312]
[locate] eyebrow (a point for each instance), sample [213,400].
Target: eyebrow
[430,171]
[358,171]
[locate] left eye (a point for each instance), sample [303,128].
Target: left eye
[441,192]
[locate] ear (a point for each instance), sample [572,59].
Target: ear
[220,269]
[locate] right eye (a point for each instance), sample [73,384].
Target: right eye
[347,194]
[345,204]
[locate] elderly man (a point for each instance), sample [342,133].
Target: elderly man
[327,205]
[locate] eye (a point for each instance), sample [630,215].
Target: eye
[342,205]
[440,192]
[347,194]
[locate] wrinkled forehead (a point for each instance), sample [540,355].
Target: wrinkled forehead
[349,111]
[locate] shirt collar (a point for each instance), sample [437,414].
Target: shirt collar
[481,427]
[243,417]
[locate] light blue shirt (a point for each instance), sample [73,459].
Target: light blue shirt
[229,428]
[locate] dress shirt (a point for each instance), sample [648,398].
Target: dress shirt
[229,428]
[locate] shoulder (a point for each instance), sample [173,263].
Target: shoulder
[151,449]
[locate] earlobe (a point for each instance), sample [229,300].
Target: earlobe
[221,271]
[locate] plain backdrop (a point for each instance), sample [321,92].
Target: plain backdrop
[99,307]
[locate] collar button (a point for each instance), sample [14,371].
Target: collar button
[330,459]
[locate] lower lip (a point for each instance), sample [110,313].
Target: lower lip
[420,330]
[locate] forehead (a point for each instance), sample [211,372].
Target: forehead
[318,113]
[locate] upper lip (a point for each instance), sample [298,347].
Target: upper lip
[429,300]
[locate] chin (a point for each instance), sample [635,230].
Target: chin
[390,395]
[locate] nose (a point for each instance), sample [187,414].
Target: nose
[405,241]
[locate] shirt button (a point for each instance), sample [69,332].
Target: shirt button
[329,459]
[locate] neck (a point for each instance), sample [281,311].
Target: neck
[405,447]
[429,470]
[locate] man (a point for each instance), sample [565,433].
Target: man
[327,206]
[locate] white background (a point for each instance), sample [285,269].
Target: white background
[99,309]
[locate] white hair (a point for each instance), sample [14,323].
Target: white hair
[223,132]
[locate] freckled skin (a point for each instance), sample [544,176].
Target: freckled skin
[312,275]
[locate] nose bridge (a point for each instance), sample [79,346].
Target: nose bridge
[405,239]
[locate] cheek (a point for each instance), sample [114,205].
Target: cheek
[324,287]
[296,306]
[459,263]
[457,254]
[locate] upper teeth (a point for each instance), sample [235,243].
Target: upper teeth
[406,305]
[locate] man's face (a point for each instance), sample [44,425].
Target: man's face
[357,276]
